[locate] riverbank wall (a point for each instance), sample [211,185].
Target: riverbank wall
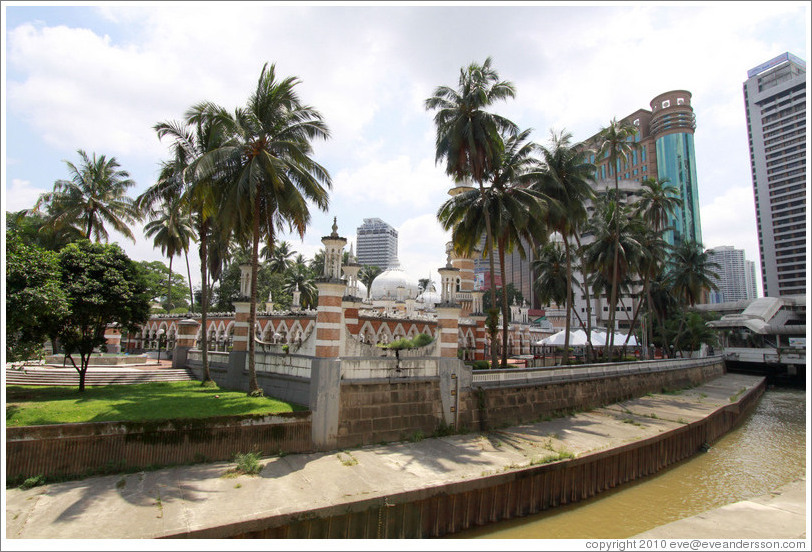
[428,488]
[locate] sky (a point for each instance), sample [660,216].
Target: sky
[99,77]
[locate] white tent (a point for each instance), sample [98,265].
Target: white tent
[578,337]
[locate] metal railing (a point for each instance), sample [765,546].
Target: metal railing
[518,376]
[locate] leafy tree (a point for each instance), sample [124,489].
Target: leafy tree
[103,287]
[269,174]
[96,195]
[469,138]
[32,227]
[35,301]
[155,274]
[513,295]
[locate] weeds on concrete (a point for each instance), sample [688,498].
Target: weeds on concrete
[32,482]
[416,436]
[349,461]
[247,464]
[632,421]
[735,397]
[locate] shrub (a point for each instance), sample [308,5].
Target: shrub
[35,481]
[481,365]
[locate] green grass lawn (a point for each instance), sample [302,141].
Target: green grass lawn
[37,405]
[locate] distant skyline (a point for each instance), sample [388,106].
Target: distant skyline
[100,77]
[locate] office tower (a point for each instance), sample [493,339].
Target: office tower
[377,243]
[665,150]
[732,282]
[750,279]
[775,104]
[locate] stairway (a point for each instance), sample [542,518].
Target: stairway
[36,375]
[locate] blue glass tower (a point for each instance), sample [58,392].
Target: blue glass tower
[672,129]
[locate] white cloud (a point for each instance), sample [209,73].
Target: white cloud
[421,246]
[21,195]
[397,184]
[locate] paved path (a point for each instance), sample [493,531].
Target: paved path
[190,500]
[778,515]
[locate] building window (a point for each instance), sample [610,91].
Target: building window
[666,103]
[680,101]
[636,122]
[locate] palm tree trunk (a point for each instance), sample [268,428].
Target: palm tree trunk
[505,306]
[613,299]
[253,386]
[568,316]
[169,286]
[489,251]
[189,274]
[588,296]
[204,302]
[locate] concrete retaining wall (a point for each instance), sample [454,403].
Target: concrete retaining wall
[498,404]
[447,509]
[76,449]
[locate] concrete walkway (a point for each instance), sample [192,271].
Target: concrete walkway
[202,501]
[778,515]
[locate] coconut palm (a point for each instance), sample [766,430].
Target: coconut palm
[566,179]
[367,275]
[95,195]
[516,213]
[615,250]
[469,138]
[616,142]
[278,257]
[300,278]
[172,231]
[199,133]
[691,272]
[516,169]
[268,174]
[657,202]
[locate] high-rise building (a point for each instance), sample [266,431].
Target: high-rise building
[750,278]
[775,104]
[377,243]
[665,149]
[735,277]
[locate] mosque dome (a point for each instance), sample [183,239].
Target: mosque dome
[386,284]
[430,297]
[362,290]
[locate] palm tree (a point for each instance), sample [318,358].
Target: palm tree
[269,174]
[299,277]
[554,280]
[278,257]
[691,273]
[367,274]
[95,195]
[566,180]
[199,133]
[616,142]
[512,175]
[172,231]
[469,138]
[614,252]
[516,212]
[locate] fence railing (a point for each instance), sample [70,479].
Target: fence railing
[518,376]
[215,357]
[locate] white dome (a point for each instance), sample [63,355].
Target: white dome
[429,298]
[386,284]
[362,290]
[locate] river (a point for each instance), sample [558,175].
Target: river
[766,451]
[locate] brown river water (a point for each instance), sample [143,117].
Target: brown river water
[767,450]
